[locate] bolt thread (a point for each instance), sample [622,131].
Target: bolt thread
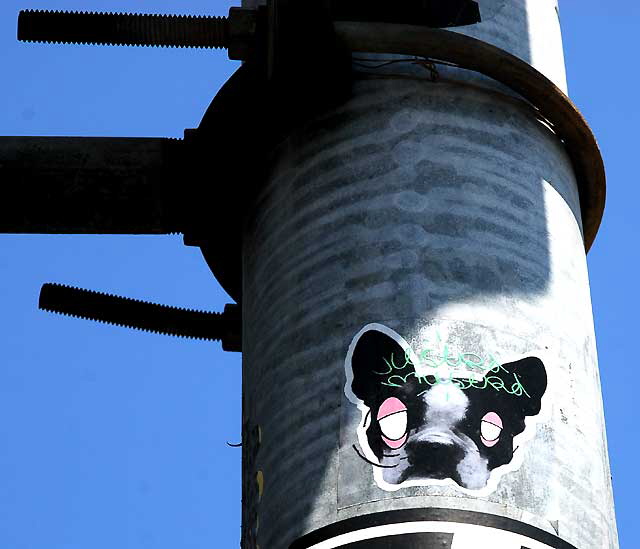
[131,313]
[179,31]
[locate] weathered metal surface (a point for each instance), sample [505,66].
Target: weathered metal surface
[89,185]
[142,315]
[415,206]
[550,102]
[449,215]
[528,29]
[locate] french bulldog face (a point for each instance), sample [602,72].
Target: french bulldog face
[425,426]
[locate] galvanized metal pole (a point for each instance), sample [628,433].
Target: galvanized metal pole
[419,357]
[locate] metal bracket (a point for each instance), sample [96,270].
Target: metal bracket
[257,108]
[249,113]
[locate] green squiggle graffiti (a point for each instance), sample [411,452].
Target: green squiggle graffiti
[465,384]
[473,363]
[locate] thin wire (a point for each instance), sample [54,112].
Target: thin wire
[426,62]
[362,60]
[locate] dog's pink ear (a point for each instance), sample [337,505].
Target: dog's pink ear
[374,355]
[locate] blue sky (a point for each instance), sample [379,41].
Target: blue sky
[117,438]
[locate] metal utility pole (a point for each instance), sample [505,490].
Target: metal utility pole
[407,251]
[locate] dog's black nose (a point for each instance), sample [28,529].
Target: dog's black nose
[437,460]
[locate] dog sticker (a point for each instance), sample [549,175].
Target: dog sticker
[425,423]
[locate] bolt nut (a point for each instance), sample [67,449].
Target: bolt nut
[242,28]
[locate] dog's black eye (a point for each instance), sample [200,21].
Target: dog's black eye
[490,429]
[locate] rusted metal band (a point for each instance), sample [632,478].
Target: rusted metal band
[469,53]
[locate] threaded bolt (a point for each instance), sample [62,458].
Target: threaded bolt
[142,315]
[180,31]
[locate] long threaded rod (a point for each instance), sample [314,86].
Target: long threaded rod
[142,315]
[179,31]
